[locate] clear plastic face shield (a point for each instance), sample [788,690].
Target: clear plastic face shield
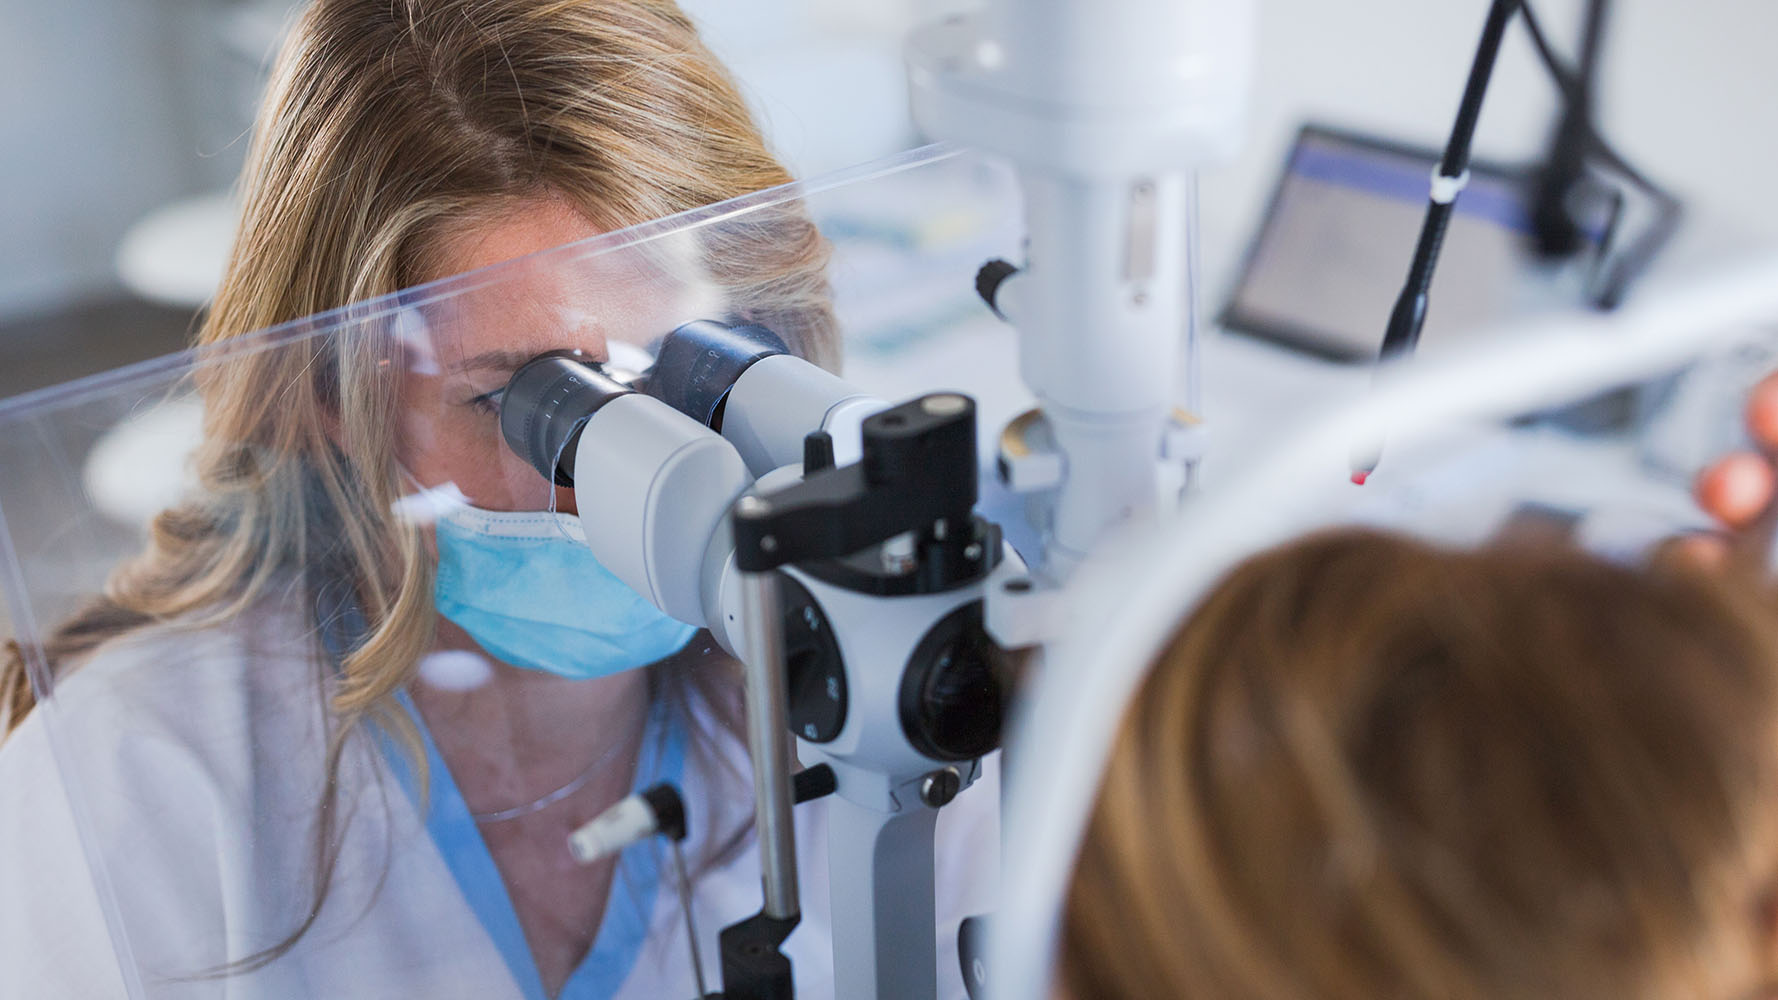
[232,530]
[609,303]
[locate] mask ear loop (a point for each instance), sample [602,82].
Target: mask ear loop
[629,378]
[558,518]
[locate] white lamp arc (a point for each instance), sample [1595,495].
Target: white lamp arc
[1134,600]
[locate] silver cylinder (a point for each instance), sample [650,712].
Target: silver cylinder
[768,741]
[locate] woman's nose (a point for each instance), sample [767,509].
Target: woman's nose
[565,500]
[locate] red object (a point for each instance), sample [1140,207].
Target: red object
[1358,478]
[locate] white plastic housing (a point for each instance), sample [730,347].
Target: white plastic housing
[657,490]
[1106,109]
[611,831]
[1108,88]
[778,400]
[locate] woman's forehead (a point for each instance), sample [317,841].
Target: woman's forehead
[492,337]
[570,299]
[510,230]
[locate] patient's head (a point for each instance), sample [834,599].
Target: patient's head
[1368,768]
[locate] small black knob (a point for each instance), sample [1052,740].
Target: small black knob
[940,787]
[817,452]
[812,783]
[988,280]
[669,810]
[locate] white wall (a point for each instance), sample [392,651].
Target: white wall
[87,141]
[108,109]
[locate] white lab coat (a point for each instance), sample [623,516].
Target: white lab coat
[157,820]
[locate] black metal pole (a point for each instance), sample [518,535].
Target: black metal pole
[1409,315]
[1553,226]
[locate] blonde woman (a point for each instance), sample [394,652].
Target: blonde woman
[327,735]
[1366,767]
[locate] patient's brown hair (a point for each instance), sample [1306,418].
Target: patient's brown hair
[1368,768]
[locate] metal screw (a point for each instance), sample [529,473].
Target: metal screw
[974,551]
[768,544]
[940,787]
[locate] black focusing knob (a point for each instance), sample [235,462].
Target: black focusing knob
[988,280]
[953,698]
[815,673]
[546,403]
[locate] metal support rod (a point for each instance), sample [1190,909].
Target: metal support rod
[691,928]
[768,741]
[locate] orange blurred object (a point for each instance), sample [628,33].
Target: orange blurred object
[1762,413]
[1738,487]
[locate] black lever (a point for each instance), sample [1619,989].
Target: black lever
[919,467]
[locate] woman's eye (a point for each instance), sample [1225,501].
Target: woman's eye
[488,403]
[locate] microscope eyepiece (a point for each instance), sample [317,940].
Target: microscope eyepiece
[547,402]
[699,362]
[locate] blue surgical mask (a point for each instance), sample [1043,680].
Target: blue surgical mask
[527,590]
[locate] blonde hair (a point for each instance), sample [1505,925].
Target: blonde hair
[390,125]
[1368,768]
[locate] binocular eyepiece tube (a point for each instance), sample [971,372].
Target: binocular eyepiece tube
[550,398]
[547,403]
[652,486]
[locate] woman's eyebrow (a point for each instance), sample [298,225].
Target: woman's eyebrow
[498,360]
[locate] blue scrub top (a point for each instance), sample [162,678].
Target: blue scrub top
[630,909]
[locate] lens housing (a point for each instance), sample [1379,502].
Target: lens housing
[546,404]
[698,364]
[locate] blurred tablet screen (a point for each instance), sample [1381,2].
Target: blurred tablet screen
[1334,248]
